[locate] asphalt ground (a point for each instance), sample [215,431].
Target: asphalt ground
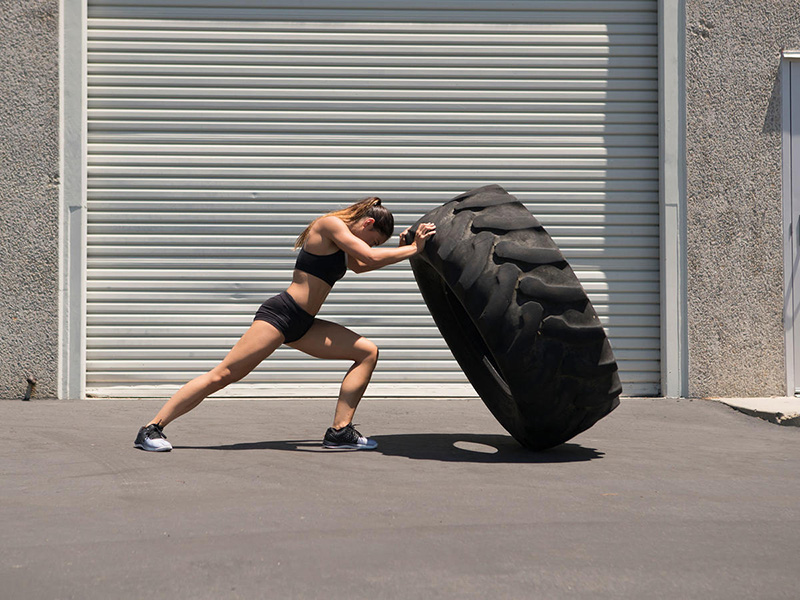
[661,499]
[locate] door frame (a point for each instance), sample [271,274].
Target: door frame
[789,58]
[672,198]
[72,200]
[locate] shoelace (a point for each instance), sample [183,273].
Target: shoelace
[354,430]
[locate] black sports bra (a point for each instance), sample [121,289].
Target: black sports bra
[328,267]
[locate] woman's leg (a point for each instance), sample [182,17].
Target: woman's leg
[257,343]
[332,341]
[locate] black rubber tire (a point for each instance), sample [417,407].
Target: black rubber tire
[516,318]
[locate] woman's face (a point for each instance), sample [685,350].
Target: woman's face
[365,230]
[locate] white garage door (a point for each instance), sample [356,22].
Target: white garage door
[218,129]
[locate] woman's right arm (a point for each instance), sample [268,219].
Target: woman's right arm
[363,257]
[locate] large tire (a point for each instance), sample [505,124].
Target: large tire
[516,318]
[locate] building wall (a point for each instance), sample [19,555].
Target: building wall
[29,186]
[733,194]
[733,154]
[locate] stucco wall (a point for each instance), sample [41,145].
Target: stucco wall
[29,168]
[734,210]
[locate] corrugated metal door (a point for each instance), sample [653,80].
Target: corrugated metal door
[218,129]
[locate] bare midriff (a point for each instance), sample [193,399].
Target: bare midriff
[308,291]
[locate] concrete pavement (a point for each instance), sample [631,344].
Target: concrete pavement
[662,499]
[779,410]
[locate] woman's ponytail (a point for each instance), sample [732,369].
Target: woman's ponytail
[368,207]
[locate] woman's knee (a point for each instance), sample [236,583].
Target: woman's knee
[369,352]
[219,377]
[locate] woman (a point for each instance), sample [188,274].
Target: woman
[328,246]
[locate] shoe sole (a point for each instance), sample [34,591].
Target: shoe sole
[142,447]
[348,447]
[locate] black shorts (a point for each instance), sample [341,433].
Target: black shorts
[286,316]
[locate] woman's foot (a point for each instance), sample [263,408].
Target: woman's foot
[152,439]
[347,438]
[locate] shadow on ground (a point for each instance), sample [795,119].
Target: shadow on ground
[448,447]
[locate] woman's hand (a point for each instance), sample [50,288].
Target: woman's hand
[424,231]
[403,239]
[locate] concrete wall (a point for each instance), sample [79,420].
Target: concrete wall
[29,186]
[733,154]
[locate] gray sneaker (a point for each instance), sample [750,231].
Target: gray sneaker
[152,439]
[347,438]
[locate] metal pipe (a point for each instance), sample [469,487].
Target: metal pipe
[31,384]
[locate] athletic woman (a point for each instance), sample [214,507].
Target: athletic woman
[328,246]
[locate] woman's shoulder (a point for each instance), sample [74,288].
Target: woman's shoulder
[323,234]
[330,227]
[329,222]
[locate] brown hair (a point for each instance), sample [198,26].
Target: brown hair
[369,207]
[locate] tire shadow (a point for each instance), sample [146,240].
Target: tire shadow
[477,448]
[445,447]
